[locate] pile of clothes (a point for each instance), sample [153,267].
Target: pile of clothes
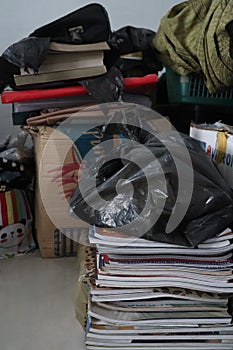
[197,36]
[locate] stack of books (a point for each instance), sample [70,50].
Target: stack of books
[151,295]
[35,102]
[66,62]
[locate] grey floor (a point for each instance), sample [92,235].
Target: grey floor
[36,304]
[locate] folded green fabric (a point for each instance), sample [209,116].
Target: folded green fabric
[194,37]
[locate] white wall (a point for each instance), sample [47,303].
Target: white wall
[19,18]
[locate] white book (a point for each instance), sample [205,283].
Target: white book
[202,265]
[162,346]
[136,296]
[140,318]
[192,277]
[103,267]
[138,271]
[118,239]
[226,234]
[110,294]
[96,290]
[151,337]
[161,308]
[114,258]
[169,282]
[110,238]
[164,251]
[104,329]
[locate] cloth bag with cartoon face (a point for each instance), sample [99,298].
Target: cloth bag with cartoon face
[15,223]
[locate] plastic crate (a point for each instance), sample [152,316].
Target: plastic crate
[192,89]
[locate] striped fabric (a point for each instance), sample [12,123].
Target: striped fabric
[14,207]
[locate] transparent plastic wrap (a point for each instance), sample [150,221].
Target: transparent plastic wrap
[149,176]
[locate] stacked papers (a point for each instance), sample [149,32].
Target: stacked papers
[151,295]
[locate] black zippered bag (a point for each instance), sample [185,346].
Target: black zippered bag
[89,24]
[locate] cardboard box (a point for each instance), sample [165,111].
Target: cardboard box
[58,160]
[57,163]
[217,140]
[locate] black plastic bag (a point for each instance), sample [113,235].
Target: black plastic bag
[106,88]
[27,53]
[129,39]
[17,168]
[119,188]
[88,24]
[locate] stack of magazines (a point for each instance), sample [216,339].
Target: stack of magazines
[151,295]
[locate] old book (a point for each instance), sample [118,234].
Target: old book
[62,75]
[67,56]
[66,62]
[63,47]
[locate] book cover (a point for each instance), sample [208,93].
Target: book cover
[63,75]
